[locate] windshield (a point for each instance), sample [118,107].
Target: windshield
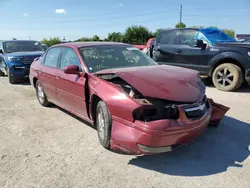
[214,35]
[22,46]
[109,57]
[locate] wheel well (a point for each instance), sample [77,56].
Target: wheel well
[94,102]
[34,81]
[227,60]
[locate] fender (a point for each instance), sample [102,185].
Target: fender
[226,55]
[116,100]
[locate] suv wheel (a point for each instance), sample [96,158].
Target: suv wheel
[103,123]
[12,80]
[227,77]
[41,96]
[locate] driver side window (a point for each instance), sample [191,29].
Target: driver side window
[69,57]
[188,38]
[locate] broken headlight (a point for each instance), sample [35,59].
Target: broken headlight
[153,114]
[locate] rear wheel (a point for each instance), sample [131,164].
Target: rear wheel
[41,96]
[227,77]
[103,123]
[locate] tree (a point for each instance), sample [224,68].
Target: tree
[83,39]
[230,32]
[115,37]
[96,38]
[137,35]
[51,41]
[159,30]
[180,25]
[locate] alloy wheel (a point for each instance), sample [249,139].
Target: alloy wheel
[224,77]
[40,93]
[101,126]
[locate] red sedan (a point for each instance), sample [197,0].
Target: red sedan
[137,105]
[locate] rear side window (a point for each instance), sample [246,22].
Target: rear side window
[168,37]
[51,57]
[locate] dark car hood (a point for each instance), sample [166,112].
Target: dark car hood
[233,44]
[24,54]
[163,82]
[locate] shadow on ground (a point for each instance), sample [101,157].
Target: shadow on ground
[214,152]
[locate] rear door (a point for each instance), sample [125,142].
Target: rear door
[165,47]
[48,72]
[71,87]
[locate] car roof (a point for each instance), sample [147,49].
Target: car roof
[85,44]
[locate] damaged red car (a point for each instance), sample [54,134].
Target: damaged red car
[137,105]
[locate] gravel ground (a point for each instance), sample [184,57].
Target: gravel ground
[47,147]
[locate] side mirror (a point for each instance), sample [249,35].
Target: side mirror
[1,51]
[72,69]
[201,44]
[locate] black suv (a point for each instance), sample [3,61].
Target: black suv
[226,62]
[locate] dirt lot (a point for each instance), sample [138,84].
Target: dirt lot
[46,147]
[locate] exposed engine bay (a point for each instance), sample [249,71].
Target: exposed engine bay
[153,109]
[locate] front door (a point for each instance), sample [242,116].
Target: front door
[187,54]
[48,73]
[70,87]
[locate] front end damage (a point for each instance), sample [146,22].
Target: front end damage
[160,125]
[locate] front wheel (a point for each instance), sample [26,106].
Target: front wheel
[12,79]
[103,123]
[227,77]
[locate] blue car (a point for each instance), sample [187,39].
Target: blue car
[16,57]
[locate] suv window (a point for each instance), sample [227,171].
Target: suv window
[69,57]
[51,57]
[188,38]
[168,37]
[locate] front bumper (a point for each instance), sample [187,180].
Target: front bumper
[156,136]
[20,71]
[162,135]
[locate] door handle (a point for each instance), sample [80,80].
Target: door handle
[58,76]
[178,50]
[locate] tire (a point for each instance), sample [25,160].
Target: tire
[3,66]
[227,77]
[12,80]
[41,96]
[103,124]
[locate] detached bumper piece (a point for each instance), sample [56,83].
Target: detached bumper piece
[218,112]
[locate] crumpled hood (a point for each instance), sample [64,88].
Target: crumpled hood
[24,54]
[163,82]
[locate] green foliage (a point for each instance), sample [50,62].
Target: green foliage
[132,35]
[180,25]
[115,37]
[51,41]
[230,32]
[83,39]
[137,35]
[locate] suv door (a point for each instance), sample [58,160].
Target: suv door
[165,47]
[187,53]
[71,87]
[48,72]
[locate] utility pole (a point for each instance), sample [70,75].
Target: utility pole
[181,14]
